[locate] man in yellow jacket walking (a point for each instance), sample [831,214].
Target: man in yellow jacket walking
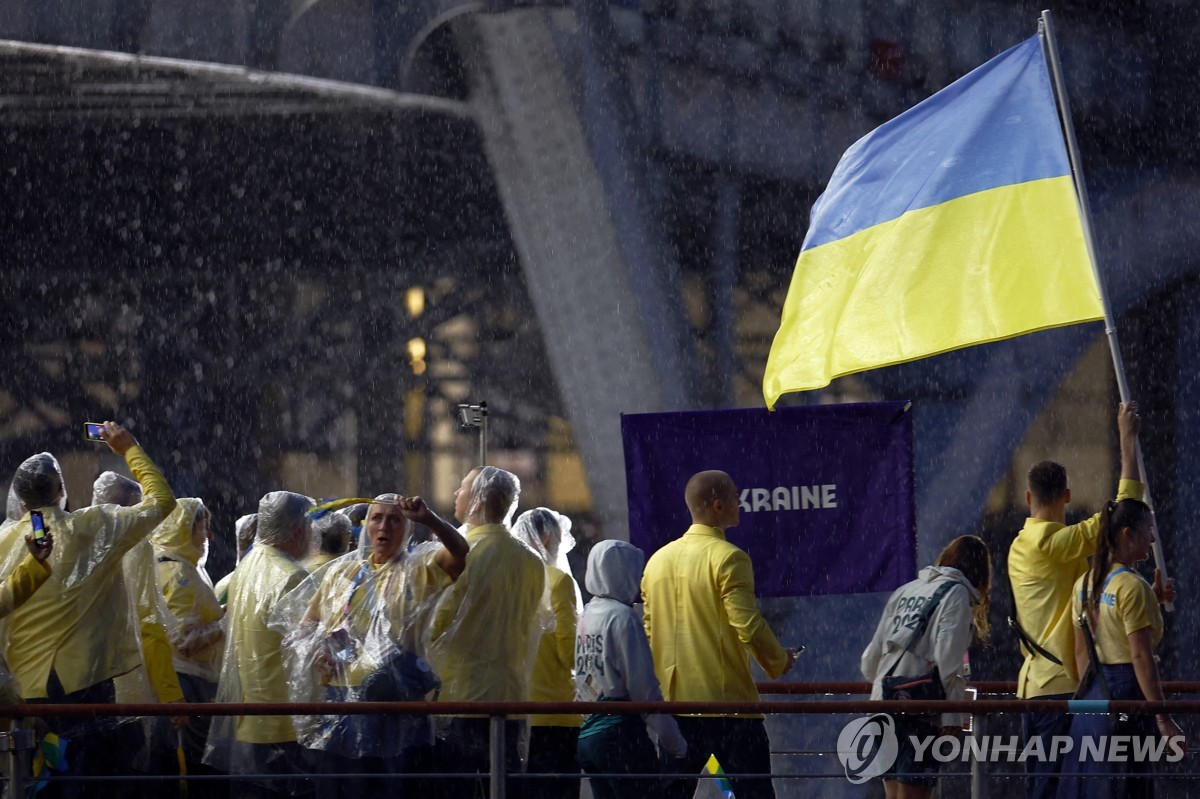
[703,622]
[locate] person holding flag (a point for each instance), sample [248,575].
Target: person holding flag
[1045,559]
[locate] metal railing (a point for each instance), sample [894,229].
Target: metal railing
[19,743]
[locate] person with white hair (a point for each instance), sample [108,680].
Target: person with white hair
[62,645]
[486,626]
[253,665]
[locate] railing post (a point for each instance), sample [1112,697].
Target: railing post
[19,743]
[979,765]
[496,745]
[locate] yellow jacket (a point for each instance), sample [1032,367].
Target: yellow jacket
[263,577]
[553,678]
[1044,561]
[703,622]
[79,624]
[482,636]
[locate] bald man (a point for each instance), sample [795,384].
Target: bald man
[704,625]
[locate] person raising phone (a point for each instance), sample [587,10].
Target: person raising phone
[65,643]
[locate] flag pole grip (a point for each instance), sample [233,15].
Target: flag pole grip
[1050,47]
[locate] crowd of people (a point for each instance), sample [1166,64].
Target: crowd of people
[377,600]
[383,600]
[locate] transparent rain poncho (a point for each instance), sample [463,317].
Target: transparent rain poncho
[193,617]
[548,533]
[111,488]
[80,624]
[252,668]
[331,532]
[12,507]
[245,529]
[39,483]
[39,480]
[487,625]
[353,631]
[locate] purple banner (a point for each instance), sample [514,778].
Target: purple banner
[826,490]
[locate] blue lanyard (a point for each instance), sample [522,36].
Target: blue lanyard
[1103,588]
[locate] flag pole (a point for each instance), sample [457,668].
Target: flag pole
[1050,48]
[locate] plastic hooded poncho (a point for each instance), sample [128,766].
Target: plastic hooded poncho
[612,654]
[157,681]
[40,477]
[80,624]
[252,668]
[245,528]
[487,625]
[548,533]
[332,534]
[193,616]
[354,633]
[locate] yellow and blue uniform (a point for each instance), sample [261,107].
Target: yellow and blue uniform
[1044,561]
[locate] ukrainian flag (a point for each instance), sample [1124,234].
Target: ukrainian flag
[956,223]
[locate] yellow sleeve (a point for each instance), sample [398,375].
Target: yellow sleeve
[1135,604]
[20,585]
[1077,541]
[156,650]
[735,581]
[566,619]
[157,502]
[155,490]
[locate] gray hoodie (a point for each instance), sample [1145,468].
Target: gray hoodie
[612,655]
[945,641]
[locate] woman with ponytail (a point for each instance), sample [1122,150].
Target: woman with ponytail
[1120,610]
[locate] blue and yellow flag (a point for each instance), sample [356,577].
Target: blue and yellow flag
[956,223]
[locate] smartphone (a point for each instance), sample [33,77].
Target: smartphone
[39,527]
[92,431]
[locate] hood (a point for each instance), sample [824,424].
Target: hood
[532,524]
[933,573]
[111,488]
[174,535]
[12,507]
[278,514]
[38,480]
[614,570]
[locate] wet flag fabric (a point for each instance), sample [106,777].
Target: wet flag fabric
[956,223]
[826,491]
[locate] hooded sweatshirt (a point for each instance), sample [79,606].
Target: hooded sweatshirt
[612,655]
[945,640]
